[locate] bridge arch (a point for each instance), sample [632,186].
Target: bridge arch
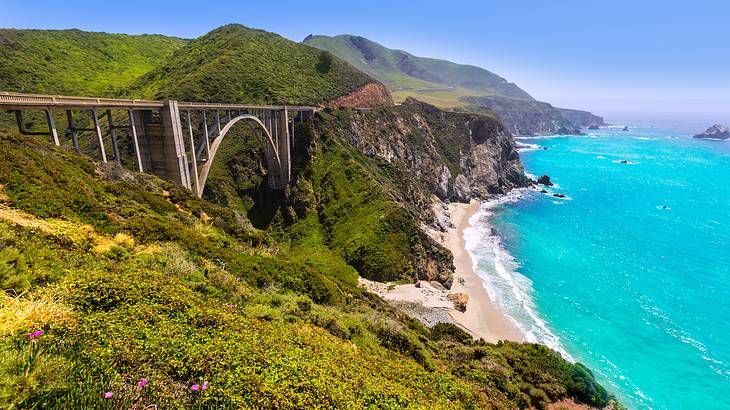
[275,160]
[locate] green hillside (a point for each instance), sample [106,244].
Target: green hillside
[238,64]
[400,70]
[74,62]
[130,278]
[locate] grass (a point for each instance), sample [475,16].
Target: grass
[74,62]
[179,301]
[241,65]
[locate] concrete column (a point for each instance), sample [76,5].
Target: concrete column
[135,140]
[113,133]
[284,145]
[72,130]
[194,161]
[176,160]
[52,127]
[207,137]
[99,137]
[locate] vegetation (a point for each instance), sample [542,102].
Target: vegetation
[132,280]
[408,75]
[237,64]
[120,290]
[74,62]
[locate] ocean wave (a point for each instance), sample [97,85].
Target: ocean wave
[508,289]
[524,147]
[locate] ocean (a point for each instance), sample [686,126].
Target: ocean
[630,272]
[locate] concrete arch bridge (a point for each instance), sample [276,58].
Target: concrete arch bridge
[177,141]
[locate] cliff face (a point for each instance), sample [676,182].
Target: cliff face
[455,156]
[431,153]
[522,117]
[581,118]
[368,96]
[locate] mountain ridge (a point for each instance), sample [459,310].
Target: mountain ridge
[391,65]
[454,86]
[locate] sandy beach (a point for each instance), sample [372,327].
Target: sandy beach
[481,317]
[429,302]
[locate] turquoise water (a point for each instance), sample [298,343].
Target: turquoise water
[638,292]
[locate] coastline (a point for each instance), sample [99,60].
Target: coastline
[482,318]
[429,302]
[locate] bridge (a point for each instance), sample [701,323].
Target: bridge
[177,141]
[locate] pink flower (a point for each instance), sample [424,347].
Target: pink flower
[142,382]
[194,387]
[33,335]
[108,395]
[205,385]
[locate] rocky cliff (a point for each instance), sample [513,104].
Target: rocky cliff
[581,118]
[455,156]
[368,96]
[522,117]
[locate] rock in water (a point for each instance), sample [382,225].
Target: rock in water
[545,180]
[717,132]
[459,300]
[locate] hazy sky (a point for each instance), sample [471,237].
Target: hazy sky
[621,59]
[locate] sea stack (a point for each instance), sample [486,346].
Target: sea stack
[545,180]
[715,132]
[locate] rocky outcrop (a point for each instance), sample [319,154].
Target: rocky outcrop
[459,300]
[368,96]
[717,132]
[521,117]
[455,156]
[581,118]
[529,117]
[545,180]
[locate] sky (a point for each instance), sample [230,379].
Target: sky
[640,60]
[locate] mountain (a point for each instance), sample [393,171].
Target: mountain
[398,69]
[121,290]
[453,86]
[74,62]
[237,64]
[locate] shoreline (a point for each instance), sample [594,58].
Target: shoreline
[482,318]
[429,302]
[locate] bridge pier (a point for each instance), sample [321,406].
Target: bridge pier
[161,144]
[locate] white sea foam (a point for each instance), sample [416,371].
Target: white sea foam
[508,289]
[524,147]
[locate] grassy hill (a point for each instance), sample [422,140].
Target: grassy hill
[74,62]
[238,64]
[131,279]
[404,73]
